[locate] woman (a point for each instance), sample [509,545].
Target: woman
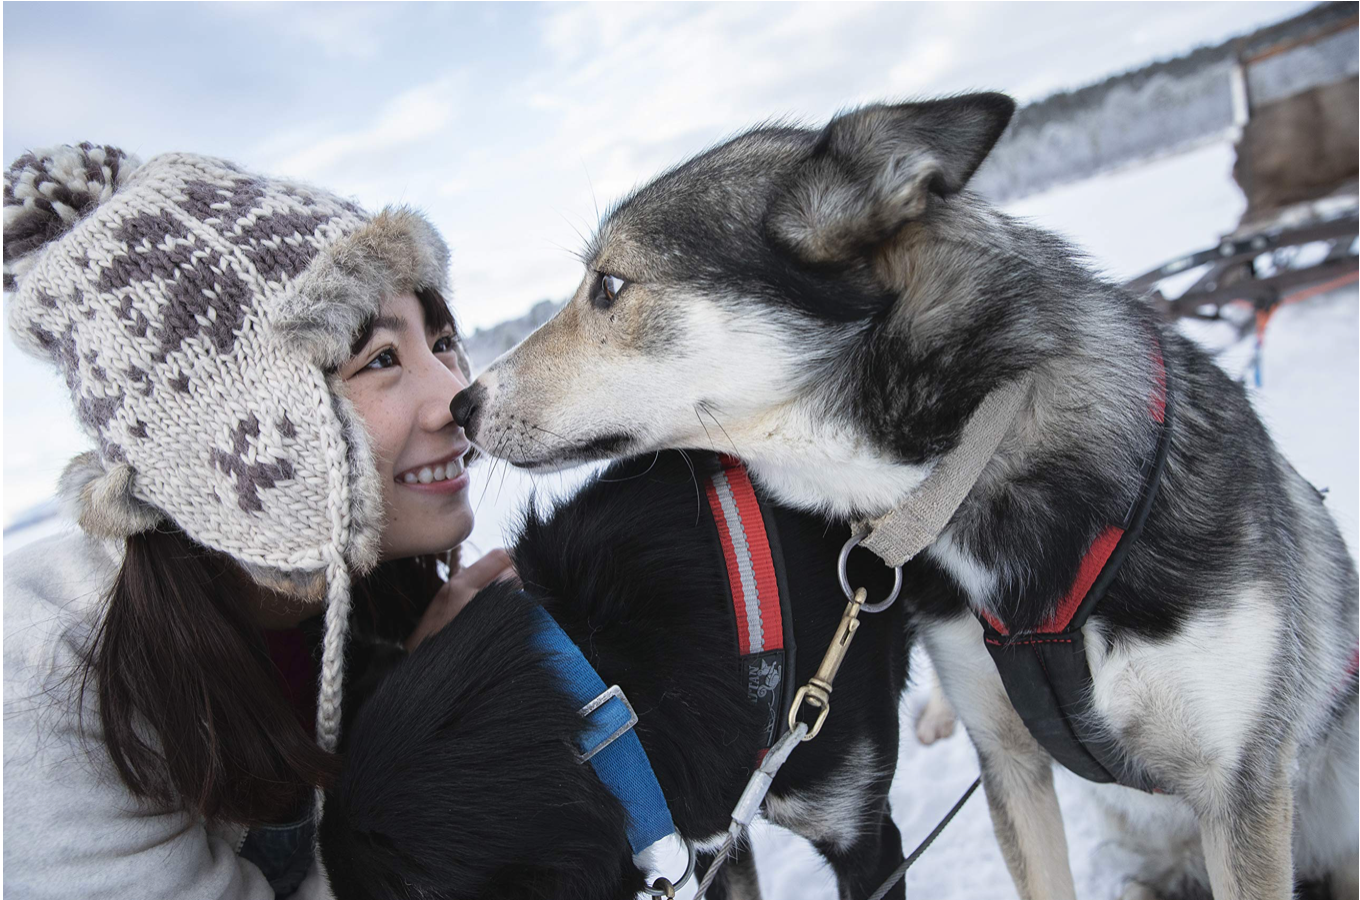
[265,371]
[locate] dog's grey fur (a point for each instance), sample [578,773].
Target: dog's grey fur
[831,305]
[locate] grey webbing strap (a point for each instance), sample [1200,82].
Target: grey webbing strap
[900,534]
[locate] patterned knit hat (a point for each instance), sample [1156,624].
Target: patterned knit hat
[198,313]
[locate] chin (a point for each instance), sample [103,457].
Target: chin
[426,534]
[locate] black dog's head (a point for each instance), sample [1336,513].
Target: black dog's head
[478,725]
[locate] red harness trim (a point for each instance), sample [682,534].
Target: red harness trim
[1098,554]
[746,550]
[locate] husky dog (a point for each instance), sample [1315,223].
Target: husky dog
[831,306]
[460,779]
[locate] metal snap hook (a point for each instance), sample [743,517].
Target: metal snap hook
[662,887]
[851,544]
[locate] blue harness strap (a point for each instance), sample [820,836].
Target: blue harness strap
[609,742]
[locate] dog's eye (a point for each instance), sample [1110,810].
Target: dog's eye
[607,290]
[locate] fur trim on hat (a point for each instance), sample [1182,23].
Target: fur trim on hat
[343,288]
[308,586]
[100,499]
[366,509]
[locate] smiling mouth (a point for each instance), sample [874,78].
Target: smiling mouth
[445,471]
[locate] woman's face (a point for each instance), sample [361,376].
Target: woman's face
[401,382]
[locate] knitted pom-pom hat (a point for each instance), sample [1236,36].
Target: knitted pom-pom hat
[198,313]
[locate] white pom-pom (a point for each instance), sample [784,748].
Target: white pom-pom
[48,191]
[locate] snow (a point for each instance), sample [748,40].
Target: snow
[1129,221]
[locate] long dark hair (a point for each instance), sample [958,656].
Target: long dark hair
[177,653]
[191,706]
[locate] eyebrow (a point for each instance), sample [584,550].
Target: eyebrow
[391,323]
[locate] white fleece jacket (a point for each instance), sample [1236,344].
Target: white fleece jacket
[71,829]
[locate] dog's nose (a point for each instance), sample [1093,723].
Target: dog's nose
[465,405]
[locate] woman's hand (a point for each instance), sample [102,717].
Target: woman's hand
[461,588]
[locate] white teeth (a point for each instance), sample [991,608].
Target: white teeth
[442,472]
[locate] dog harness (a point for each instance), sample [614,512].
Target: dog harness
[758,594]
[609,743]
[762,625]
[1045,671]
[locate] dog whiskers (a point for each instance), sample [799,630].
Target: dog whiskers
[702,425]
[704,405]
[698,499]
[546,431]
[495,458]
[631,477]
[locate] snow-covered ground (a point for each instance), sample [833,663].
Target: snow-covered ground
[1129,221]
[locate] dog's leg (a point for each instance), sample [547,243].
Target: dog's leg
[937,718]
[1247,831]
[861,867]
[845,815]
[737,880]
[1344,880]
[1326,825]
[1017,774]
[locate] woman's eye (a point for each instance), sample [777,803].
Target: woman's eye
[446,343]
[384,360]
[607,290]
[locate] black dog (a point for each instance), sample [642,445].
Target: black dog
[461,778]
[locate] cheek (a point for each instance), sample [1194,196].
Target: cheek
[387,427]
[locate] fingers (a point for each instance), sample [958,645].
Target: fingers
[494,566]
[459,591]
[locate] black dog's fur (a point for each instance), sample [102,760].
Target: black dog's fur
[459,778]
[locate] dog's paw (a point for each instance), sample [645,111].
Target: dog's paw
[936,720]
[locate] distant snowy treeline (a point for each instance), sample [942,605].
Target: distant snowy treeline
[1162,107]
[485,344]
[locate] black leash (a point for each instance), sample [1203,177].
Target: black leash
[921,847]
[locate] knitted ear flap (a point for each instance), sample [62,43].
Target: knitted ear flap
[100,499]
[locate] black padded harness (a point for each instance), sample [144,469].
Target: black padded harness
[1045,671]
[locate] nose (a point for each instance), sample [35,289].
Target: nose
[465,405]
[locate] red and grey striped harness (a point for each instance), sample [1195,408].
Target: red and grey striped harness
[757,588]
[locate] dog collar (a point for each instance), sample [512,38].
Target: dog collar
[758,595]
[902,532]
[609,742]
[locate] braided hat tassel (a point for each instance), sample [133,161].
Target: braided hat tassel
[330,695]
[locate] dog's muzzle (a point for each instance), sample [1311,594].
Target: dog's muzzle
[465,406]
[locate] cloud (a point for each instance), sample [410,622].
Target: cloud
[344,31]
[413,116]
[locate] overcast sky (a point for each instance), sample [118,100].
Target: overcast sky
[500,119]
[509,124]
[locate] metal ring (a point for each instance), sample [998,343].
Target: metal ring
[851,544]
[677,885]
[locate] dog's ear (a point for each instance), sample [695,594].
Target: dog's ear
[874,169]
